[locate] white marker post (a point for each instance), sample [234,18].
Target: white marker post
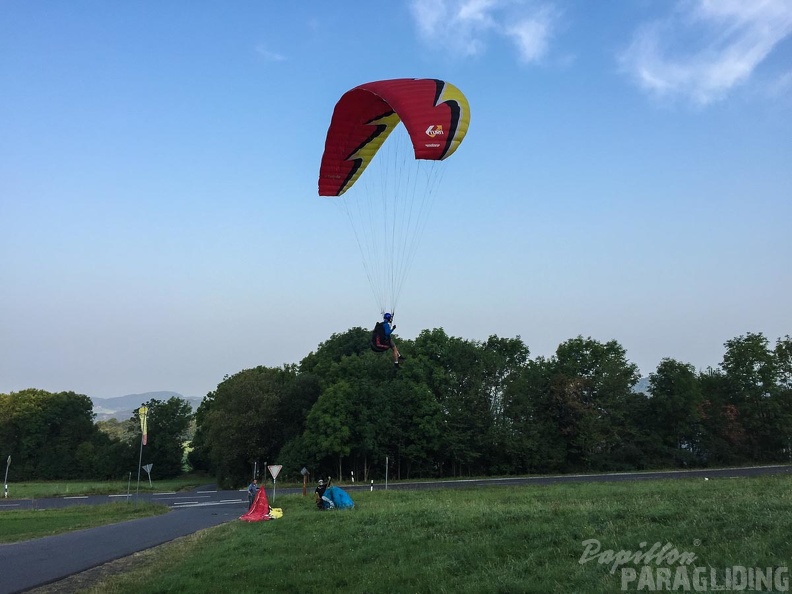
[5,481]
[274,471]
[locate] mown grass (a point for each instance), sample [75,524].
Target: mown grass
[40,489]
[477,540]
[27,524]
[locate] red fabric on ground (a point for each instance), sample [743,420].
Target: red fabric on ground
[260,509]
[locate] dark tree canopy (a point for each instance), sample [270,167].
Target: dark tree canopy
[53,436]
[456,408]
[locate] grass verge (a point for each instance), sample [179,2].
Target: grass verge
[27,524]
[42,489]
[484,540]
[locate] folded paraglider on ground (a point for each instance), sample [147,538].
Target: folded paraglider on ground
[261,511]
[339,499]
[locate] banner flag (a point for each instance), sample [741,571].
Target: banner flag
[143,413]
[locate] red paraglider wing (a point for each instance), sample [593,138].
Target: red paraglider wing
[260,510]
[435,113]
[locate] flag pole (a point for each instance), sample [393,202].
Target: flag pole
[140,461]
[142,413]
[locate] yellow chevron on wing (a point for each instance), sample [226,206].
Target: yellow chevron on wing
[365,153]
[451,94]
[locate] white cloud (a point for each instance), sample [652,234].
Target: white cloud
[463,27]
[706,47]
[781,86]
[268,55]
[532,34]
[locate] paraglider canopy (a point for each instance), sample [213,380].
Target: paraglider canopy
[388,215]
[435,113]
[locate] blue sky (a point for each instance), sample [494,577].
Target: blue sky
[627,175]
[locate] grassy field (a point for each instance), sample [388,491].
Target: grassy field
[485,540]
[27,524]
[41,489]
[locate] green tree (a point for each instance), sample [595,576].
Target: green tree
[454,370]
[118,430]
[353,342]
[591,395]
[168,427]
[502,360]
[239,423]
[533,441]
[329,424]
[756,377]
[722,432]
[53,436]
[674,410]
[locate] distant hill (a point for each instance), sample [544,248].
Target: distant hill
[122,407]
[642,386]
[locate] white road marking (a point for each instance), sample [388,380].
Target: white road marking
[186,504]
[181,497]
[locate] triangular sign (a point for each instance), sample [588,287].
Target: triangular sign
[275,469]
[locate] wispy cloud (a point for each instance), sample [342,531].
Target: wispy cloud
[532,34]
[464,27]
[704,48]
[268,55]
[781,86]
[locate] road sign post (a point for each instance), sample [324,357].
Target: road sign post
[148,468]
[274,471]
[304,472]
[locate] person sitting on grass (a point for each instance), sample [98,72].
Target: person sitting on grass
[319,495]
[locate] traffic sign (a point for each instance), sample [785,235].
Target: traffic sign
[274,470]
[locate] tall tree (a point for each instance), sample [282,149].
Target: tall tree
[755,379]
[329,424]
[53,436]
[591,391]
[533,441]
[675,410]
[240,423]
[454,371]
[723,435]
[168,426]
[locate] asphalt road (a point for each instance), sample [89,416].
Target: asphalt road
[34,563]
[206,496]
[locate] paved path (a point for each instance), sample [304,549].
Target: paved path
[33,563]
[202,496]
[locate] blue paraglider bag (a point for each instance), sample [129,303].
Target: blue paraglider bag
[339,497]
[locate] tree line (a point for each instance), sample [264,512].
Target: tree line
[460,407]
[456,408]
[55,436]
